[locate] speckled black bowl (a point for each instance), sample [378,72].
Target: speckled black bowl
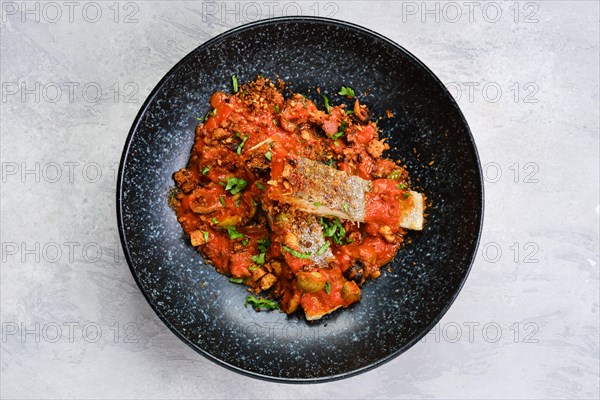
[201,306]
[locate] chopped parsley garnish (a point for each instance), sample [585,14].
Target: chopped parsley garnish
[264,244]
[239,149]
[323,248]
[326,100]
[235,185]
[205,234]
[260,186]
[235,83]
[222,201]
[345,207]
[348,112]
[327,287]
[346,91]
[401,186]
[259,259]
[317,204]
[277,108]
[205,170]
[214,221]
[296,253]
[407,195]
[234,234]
[259,304]
[341,133]
[333,229]
[263,247]
[214,112]
[253,268]
[245,242]
[236,280]
[268,155]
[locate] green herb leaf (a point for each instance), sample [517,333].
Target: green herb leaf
[205,170]
[401,186]
[333,229]
[317,204]
[264,244]
[326,100]
[234,234]
[260,186]
[327,287]
[236,280]
[346,91]
[222,201]
[241,145]
[259,304]
[296,253]
[277,108]
[245,242]
[268,155]
[323,248]
[341,133]
[214,221]
[253,268]
[208,114]
[259,259]
[205,234]
[234,81]
[407,195]
[235,185]
[345,207]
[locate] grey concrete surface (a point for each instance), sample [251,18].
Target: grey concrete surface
[74,323]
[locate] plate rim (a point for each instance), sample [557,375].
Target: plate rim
[126,152]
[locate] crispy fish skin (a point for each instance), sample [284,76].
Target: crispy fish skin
[321,190]
[305,235]
[308,235]
[318,189]
[414,219]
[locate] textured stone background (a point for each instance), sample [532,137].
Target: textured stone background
[75,325]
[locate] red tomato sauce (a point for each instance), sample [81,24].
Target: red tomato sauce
[225,200]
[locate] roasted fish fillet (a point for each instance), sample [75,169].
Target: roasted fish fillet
[321,190]
[304,236]
[318,189]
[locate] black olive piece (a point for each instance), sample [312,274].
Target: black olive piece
[355,273]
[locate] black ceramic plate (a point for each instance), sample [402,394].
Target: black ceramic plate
[201,306]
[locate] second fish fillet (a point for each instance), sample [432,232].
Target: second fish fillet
[318,189]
